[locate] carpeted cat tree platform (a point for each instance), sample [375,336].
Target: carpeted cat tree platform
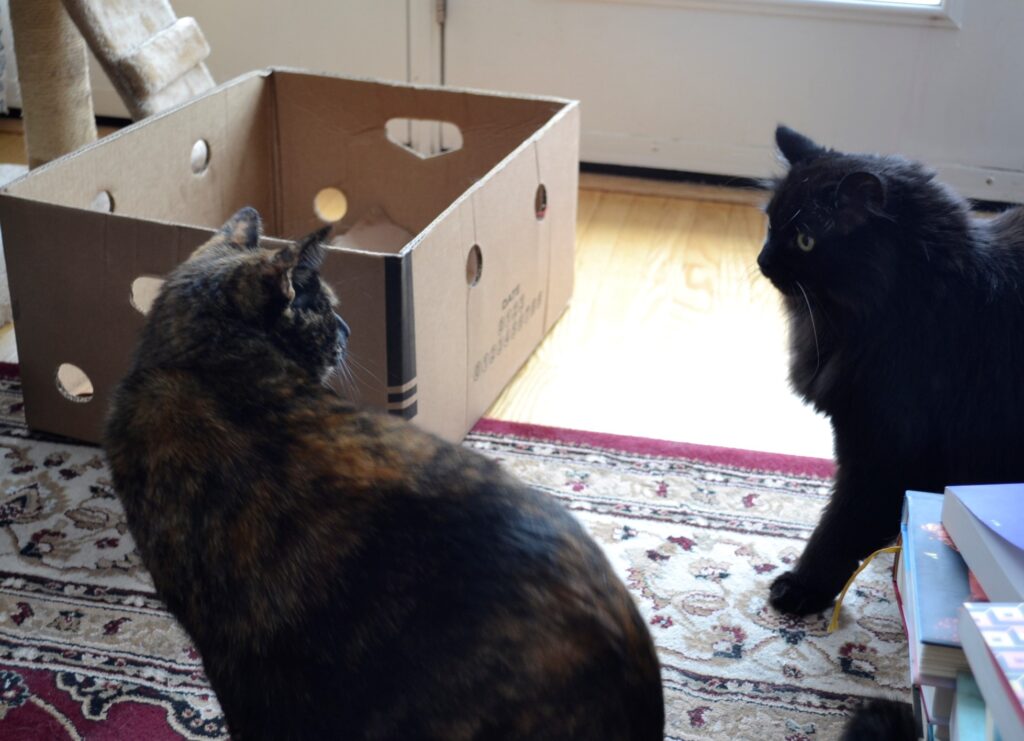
[152,70]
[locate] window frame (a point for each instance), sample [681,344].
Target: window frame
[947,14]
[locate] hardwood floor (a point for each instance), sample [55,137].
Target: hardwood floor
[12,140]
[672,333]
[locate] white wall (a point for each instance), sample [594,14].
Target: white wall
[670,85]
[358,37]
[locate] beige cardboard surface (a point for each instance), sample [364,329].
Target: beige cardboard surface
[425,344]
[505,307]
[442,327]
[147,167]
[332,133]
[357,279]
[374,232]
[558,163]
[77,308]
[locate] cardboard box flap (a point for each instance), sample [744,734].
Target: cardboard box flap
[506,304]
[357,278]
[147,168]
[440,300]
[275,140]
[557,154]
[332,134]
[91,259]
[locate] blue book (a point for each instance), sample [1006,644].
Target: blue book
[968,720]
[938,703]
[934,583]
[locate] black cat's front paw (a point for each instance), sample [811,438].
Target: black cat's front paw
[793,595]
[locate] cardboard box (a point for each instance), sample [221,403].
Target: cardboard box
[439,324]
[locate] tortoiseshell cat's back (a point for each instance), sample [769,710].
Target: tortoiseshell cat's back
[343,574]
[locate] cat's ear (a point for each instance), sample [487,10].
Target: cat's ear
[311,250]
[244,228]
[858,196]
[276,271]
[796,147]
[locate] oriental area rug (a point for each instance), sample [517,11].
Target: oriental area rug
[88,651]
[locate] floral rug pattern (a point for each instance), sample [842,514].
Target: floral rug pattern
[699,534]
[88,651]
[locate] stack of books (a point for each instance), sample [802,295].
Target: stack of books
[960,587]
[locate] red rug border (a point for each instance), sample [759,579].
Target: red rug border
[735,457]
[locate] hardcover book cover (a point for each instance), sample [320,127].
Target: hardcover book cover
[993,636]
[968,719]
[936,572]
[987,524]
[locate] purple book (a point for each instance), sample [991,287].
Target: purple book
[987,525]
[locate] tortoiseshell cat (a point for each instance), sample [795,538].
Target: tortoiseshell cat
[342,573]
[906,329]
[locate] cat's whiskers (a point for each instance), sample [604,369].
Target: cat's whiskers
[814,329]
[793,218]
[362,371]
[328,379]
[348,381]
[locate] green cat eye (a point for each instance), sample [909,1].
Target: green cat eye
[804,241]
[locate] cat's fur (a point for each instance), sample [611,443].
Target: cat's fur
[342,573]
[881,720]
[906,329]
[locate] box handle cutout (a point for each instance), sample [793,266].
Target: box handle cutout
[540,202]
[200,157]
[145,289]
[330,205]
[73,384]
[103,202]
[424,138]
[474,265]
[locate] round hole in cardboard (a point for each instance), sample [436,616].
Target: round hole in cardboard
[145,289]
[103,202]
[540,202]
[73,383]
[330,205]
[200,157]
[474,265]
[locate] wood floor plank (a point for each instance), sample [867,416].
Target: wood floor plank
[671,333]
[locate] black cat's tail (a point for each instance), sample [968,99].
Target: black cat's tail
[881,720]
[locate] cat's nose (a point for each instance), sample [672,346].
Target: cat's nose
[764,260]
[343,329]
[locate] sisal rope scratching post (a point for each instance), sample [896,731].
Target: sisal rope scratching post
[53,70]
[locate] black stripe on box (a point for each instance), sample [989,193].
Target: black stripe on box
[395,396]
[400,320]
[407,412]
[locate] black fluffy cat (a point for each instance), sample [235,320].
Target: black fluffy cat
[906,329]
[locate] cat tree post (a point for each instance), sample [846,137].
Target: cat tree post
[53,70]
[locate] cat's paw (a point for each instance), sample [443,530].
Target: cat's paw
[793,595]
